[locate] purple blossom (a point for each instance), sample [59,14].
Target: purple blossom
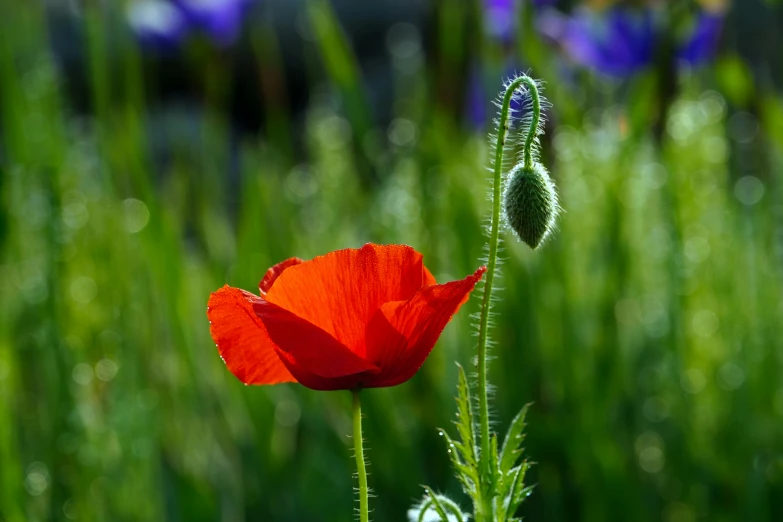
[480,108]
[501,16]
[158,25]
[704,39]
[220,19]
[620,41]
[477,105]
[164,25]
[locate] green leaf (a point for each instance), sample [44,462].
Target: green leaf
[466,474]
[517,493]
[495,472]
[511,445]
[465,424]
[454,449]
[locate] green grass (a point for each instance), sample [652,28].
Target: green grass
[647,331]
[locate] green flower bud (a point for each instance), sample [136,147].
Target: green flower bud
[530,203]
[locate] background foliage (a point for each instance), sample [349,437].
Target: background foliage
[647,332]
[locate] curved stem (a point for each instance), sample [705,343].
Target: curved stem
[424,507]
[432,502]
[451,506]
[494,237]
[358,450]
[531,132]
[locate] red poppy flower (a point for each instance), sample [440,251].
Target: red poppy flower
[354,318]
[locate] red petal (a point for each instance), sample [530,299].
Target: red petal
[313,356]
[273,273]
[401,334]
[241,338]
[339,292]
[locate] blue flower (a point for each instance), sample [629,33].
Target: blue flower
[618,44]
[220,19]
[157,24]
[482,98]
[700,48]
[164,25]
[621,41]
[500,16]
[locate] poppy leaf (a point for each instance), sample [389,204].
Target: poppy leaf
[511,444]
[465,423]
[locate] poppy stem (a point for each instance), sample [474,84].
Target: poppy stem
[358,450]
[494,239]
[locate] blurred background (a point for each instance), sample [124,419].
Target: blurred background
[152,150]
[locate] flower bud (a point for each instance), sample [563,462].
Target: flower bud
[530,203]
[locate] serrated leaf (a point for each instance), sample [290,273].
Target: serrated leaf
[468,488]
[466,474]
[517,493]
[511,445]
[464,422]
[523,494]
[456,451]
[495,474]
[508,502]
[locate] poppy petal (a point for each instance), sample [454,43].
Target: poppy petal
[310,352]
[340,291]
[316,382]
[402,334]
[241,338]
[273,273]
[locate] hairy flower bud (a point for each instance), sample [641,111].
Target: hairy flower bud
[530,203]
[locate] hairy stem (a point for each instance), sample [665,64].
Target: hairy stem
[536,117]
[494,238]
[358,450]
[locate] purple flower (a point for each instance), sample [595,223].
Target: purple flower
[164,25]
[616,44]
[621,41]
[704,40]
[480,108]
[220,19]
[501,16]
[158,25]
[477,106]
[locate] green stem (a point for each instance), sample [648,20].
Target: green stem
[494,239]
[358,449]
[531,132]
